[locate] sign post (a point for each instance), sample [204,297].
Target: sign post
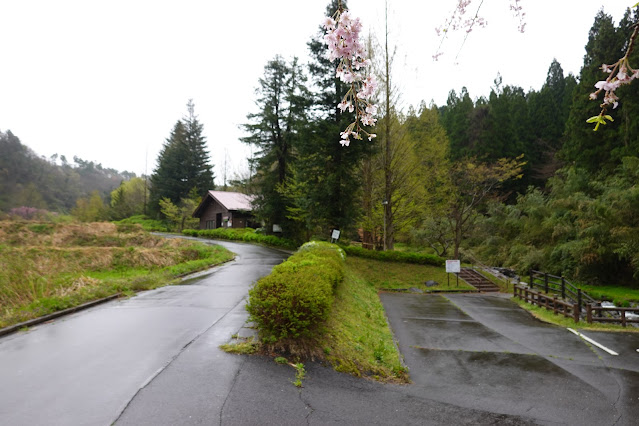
[335,235]
[453,267]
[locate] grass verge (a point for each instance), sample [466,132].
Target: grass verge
[357,338]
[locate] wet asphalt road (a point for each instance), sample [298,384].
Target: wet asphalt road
[155,360]
[484,352]
[85,369]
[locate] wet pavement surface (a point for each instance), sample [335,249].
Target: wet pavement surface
[154,359]
[84,369]
[484,352]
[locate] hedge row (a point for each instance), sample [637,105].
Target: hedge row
[395,256]
[241,234]
[298,294]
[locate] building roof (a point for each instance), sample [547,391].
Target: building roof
[228,200]
[233,200]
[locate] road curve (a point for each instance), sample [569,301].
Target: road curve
[84,369]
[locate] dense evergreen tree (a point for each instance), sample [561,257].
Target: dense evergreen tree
[274,130]
[330,172]
[183,164]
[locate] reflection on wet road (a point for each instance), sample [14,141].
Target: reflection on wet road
[484,352]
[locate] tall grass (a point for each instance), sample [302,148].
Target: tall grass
[50,266]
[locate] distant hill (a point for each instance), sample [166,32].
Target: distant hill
[27,179]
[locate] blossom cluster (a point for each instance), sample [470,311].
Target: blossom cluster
[620,73]
[342,38]
[624,75]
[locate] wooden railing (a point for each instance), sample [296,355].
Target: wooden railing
[559,285]
[594,312]
[550,302]
[600,310]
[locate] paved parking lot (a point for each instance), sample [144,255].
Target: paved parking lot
[484,352]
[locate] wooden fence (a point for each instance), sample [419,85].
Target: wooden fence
[550,302]
[599,312]
[594,312]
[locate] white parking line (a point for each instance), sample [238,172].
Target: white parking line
[599,345]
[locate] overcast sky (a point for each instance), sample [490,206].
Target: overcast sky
[106,81]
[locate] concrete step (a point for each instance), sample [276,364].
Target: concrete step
[477,280]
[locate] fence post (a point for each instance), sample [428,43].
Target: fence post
[579,299]
[575,312]
[563,288]
[546,282]
[589,313]
[623,318]
[554,304]
[530,284]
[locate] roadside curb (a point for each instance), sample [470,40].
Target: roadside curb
[16,327]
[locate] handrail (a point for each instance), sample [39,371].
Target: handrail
[562,286]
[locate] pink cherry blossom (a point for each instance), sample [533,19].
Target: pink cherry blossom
[343,44]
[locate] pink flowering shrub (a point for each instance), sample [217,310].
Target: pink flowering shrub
[28,213]
[342,38]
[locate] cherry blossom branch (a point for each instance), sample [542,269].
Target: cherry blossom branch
[620,73]
[342,38]
[456,22]
[519,14]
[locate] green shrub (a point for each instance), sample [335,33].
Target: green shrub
[395,256]
[297,296]
[241,234]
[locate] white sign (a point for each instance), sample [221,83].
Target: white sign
[277,228]
[335,235]
[453,266]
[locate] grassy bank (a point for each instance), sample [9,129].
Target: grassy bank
[621,296]
[48,267]
[398,276]
[357,338]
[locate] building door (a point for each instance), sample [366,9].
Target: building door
[218,220]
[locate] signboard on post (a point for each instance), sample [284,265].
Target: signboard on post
[453,266]
[335,235]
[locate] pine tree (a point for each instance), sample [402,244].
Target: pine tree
[183,163]
[275,130]
[198,169]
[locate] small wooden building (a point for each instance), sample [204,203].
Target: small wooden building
[221,209]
